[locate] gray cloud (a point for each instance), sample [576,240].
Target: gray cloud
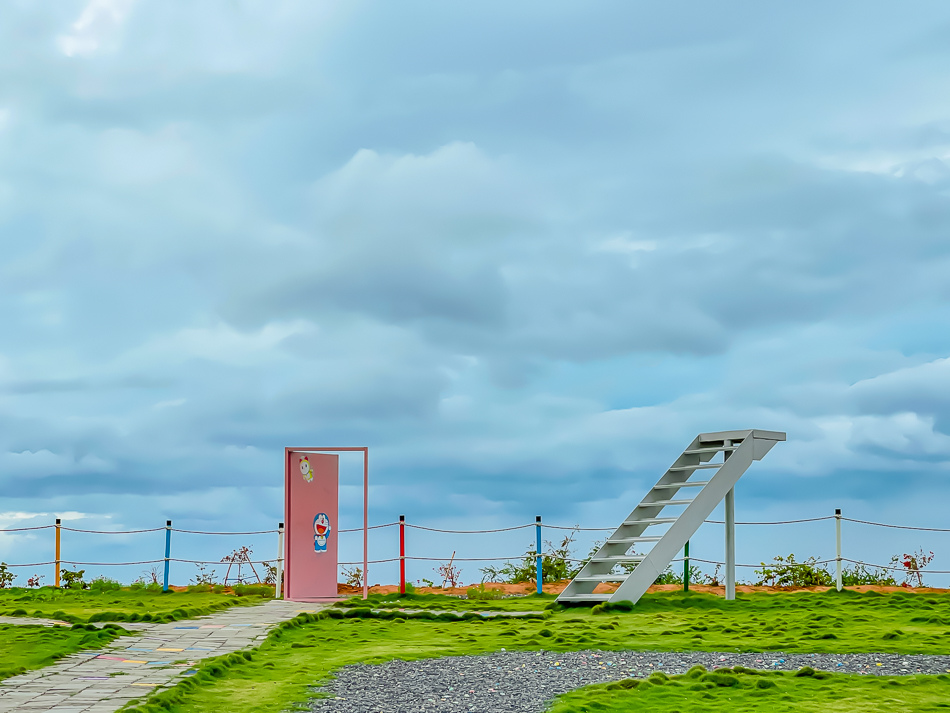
[524,253]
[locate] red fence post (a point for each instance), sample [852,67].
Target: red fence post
[402,554]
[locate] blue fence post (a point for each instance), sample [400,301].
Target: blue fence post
[168,551]
[537,527]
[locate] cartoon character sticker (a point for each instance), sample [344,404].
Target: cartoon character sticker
[305,470]
[321,531]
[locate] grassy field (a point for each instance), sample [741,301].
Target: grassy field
[827,622]
[27,647]
[83,606]
[533,602]
[740,690]
[278,674]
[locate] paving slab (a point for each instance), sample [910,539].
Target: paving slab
[106,679]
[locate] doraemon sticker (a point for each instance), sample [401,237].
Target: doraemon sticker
[321,532]
[305,470]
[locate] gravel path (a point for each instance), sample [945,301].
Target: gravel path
[524,682]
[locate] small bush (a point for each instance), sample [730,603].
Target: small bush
[73,580]
[104,584]
[6,576]
[860,574]
[787,572]
[483,593]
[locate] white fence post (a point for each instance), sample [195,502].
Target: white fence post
[279,579]
[838,547]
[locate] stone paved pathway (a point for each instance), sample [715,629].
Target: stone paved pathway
[106,679]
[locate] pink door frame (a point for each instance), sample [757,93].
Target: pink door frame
[365,452]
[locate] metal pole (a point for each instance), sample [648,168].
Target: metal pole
[402,554]
[731,544]
[686,567]
[168,551]
[59,527]
[279,578]
[539,574]
[730,536]
[838,547]
[365,523]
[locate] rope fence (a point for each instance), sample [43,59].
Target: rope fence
[59,562]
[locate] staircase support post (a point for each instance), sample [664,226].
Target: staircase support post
[731,544]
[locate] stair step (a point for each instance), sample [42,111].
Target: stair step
[664,503]
[603,578]
[619,558]
[631,540]
[586,597]
[711,449]
[698,466]
[684,484]
[651,521]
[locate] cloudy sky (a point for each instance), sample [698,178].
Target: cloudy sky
[523,252]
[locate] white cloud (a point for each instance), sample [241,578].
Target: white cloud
[96,25]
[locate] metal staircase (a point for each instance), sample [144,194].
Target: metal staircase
[714,480]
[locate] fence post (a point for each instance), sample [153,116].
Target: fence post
[402,554]
[168,551]
[539,575]
[279,576]
[59,527]
[838,548]
[686,567]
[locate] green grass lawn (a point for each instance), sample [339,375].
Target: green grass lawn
[28,647]
[809,622]
[739,690]
[533,602]
[81,606]
[278,674]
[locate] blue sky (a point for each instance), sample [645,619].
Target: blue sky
[523,253]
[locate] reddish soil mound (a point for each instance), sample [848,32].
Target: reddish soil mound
[558,587]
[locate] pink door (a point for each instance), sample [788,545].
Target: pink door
[312,504]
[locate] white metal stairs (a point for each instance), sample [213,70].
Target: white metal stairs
[642,526]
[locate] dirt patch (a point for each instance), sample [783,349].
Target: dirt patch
[558,587]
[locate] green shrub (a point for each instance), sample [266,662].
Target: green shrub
[104,584]
[6,576]
[481,592]
[860,574]
[556,564]
[73,580]
[787,572]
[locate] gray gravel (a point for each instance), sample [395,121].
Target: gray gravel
[525,682]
